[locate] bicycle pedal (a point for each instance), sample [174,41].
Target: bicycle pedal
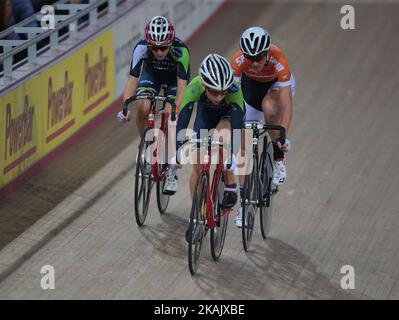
[274,191]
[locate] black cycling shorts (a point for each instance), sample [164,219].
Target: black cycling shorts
[254,91]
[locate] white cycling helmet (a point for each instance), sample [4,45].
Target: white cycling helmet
[216,72]
[159,32]
[254,41]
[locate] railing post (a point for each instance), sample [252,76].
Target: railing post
[112,6]
[73,9]
[93,15]
[32,52]
[73,26]
[31,33]
[7,64]
[54,40]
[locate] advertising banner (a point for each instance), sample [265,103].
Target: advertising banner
[43,112]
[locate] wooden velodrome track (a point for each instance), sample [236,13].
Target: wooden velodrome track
[339,206]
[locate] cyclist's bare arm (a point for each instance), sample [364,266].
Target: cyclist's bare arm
[130,88]
[181,85]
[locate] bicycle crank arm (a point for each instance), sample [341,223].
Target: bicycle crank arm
[274,191]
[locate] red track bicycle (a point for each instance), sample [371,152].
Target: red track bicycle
[206,210]
[152,157]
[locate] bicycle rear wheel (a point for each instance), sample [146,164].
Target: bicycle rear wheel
[266,207]
[249,205]
[197,223]
[218,233]
[142,185]
[162,198]
[159,142]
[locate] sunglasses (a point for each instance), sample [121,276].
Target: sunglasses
[255,58]
[158,48]
[216,93]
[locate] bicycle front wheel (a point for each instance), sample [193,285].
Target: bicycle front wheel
[218,233]
[249,205]
[197,223]
[142,185]
[266,207]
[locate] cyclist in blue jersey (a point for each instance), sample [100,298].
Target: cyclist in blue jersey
[160,58]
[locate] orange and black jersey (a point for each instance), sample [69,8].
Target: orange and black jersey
[276,67]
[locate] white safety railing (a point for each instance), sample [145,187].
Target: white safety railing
[65,27]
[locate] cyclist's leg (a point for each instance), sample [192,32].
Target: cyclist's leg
[147,85]
[272,112]
[205,120]
[201,124]
[223,133]
[254,93]
[171,184]
[273,117]
[270,105]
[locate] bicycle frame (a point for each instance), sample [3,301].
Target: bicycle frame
[211,190]
[157,176]
[260,130]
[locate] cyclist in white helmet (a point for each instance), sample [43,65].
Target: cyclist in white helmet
[220,106]
[268,87]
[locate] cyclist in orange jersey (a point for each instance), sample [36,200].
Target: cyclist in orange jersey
[268,87]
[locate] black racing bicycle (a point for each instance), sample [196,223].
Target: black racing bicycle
[259,189]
